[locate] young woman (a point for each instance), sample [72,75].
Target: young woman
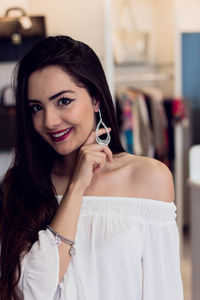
[81,219]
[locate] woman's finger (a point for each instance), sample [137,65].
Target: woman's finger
[98,148]
[108,152]
[90,142]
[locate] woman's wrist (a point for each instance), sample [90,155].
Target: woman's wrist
[76,187]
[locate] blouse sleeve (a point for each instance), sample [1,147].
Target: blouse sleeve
[161,262]
[40,269]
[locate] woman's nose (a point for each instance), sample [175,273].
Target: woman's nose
[51,119]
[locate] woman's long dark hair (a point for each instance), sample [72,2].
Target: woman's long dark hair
[28,201]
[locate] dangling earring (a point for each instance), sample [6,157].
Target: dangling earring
[107,140]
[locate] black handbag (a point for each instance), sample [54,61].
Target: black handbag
[19,33]
[7,119]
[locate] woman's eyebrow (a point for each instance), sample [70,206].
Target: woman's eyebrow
[53,96]
[60,93]
[33,100]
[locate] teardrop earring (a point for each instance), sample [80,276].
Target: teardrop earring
[107,140]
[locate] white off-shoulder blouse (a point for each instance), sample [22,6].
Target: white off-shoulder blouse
[126,249]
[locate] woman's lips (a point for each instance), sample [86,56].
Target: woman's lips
[60,135]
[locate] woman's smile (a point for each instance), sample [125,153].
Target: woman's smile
[60,135]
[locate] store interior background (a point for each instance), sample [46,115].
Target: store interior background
[168,25]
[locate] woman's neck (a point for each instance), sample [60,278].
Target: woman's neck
[62,172]
[65,165]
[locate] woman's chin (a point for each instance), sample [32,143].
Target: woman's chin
[65,150]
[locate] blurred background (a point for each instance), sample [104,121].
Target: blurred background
[150,51]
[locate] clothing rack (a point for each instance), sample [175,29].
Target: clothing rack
[145,110]
[181,144]
[137,78]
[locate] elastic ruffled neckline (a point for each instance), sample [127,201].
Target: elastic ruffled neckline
[143,209]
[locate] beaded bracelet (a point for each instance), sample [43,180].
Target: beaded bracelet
[59,238]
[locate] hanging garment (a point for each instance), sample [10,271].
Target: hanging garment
[143,126]
[125,105]
[160,124]
[136,124]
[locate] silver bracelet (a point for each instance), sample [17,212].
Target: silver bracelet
[59,238]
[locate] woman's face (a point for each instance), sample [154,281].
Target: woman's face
[62,112]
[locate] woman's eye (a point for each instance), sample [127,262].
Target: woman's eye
[35,108]
[65,101]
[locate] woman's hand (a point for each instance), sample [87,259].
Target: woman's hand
[91,158]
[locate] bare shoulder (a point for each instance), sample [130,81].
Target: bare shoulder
[147,178]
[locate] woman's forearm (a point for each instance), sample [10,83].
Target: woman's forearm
[65,223]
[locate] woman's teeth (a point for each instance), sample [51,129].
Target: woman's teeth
[61,133]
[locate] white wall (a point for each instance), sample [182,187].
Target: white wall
[145,17]
[4,4]
[80,19]
[188,15]
[164,31]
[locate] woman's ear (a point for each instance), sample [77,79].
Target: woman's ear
[96,105]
